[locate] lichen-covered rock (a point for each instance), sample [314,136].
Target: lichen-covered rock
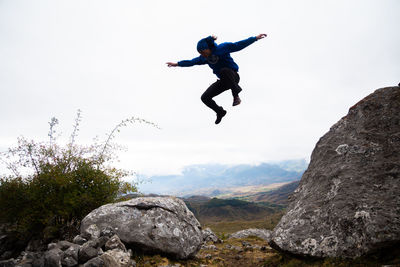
[348,202]
[51,246]
[87,252]
[208,235]
[91,232]
[261,233]
[107,232]
[68,261]
[72,252]
[161,224]
[79,240]
[95,262]
[52,258]
[117,258]
[64,245]
[113,243]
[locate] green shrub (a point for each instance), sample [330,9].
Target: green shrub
[52,186]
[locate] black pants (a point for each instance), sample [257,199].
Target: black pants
[229,79]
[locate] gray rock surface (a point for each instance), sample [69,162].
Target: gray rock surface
[39,262]
[63,245]
[348,202]
[261,233]
[51,246]
[208,235]
[162,224]
[90,232]
[90,254]
[79,240]
[101,241]
[87,252]
[72,252]
[114,242]
[117,258]
[52,258]
[95,262]
[108,232]
[69,261]
[209,247]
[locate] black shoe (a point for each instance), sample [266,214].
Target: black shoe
[236,101]
[220,115]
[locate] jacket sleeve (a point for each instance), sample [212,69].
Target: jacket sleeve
[195,61]
[234,47]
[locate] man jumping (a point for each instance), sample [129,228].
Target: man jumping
[220,61]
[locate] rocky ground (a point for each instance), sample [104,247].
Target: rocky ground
[249,252]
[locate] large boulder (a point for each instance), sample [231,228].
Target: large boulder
[348,200]
[160,224]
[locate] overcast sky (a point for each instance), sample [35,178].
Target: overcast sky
[107,58]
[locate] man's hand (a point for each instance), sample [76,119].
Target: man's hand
[260,36]
[214,37]
[172,64]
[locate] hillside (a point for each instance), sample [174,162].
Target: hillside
[277,196]
[240,192]
[216,210]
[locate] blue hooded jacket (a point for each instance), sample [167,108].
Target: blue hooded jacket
[220,54]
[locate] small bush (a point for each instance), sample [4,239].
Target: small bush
[52,186]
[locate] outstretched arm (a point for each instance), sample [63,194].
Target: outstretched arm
[234,47]
[188,63]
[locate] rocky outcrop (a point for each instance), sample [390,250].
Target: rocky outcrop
[209,236]
[99,251]
[348,201]
[159,224]
[261,233]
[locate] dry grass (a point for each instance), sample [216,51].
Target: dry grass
[219,257]
[228,227]
[257,256]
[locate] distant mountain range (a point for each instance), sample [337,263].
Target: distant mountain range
[216,179]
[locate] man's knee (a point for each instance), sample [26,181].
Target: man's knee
[205,97]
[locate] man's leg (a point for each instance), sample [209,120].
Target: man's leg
[212,91]
[207,98]
[230,79]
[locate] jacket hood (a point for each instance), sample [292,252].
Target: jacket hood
[206,43]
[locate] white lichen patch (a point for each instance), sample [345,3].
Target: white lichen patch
[329,245]
[177,232]
[342,149]
[309,245]
[352,149]
[334,188]
[362,214]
